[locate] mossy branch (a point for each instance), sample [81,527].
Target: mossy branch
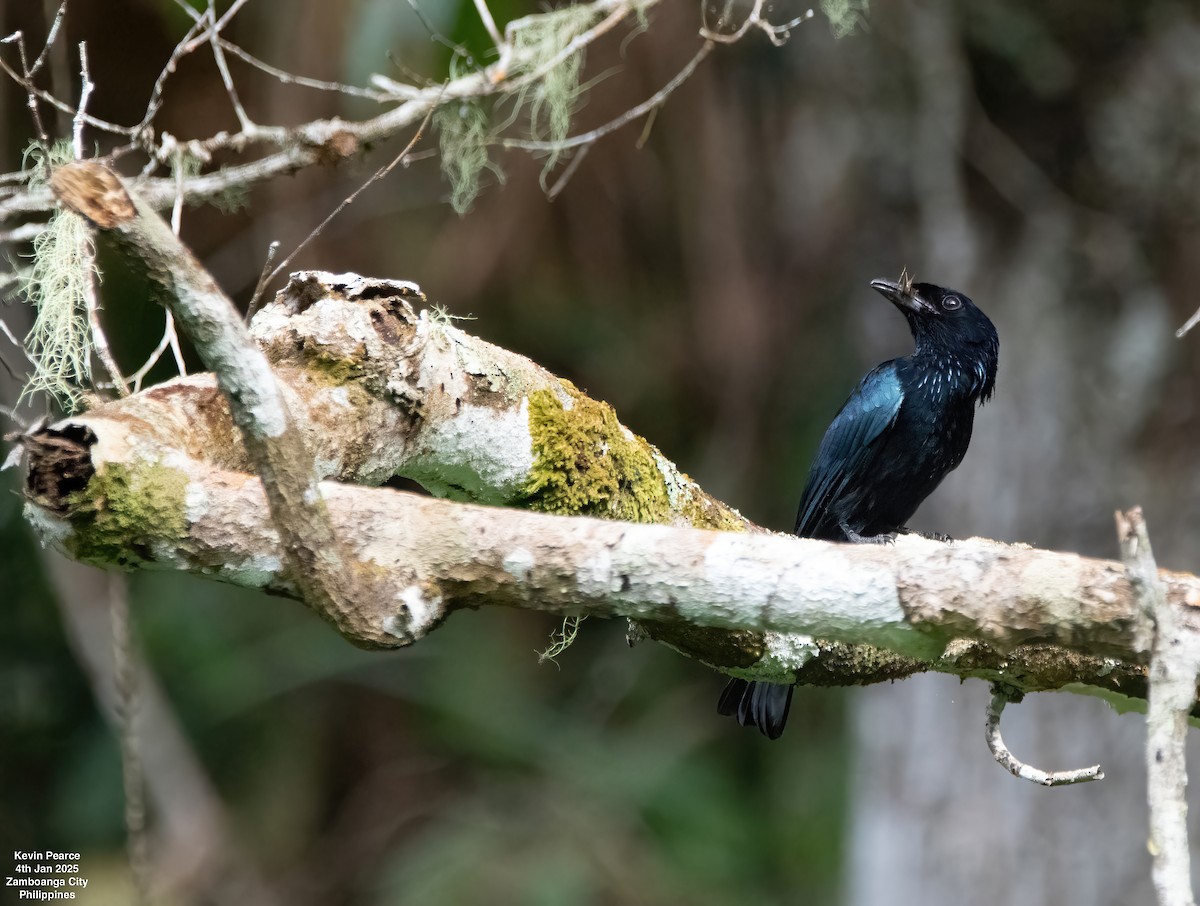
[377,390]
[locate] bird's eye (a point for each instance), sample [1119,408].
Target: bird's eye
[951,303]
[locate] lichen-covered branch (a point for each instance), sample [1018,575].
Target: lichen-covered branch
[378,390]
[289,149]
[434,556]
[267,430]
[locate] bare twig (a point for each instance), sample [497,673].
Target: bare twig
[651,103]
[219,56]
[776,34]
[349,200]
[4,329]
[1174,662]
[567,173]
[1191,322]
[289,78]
[156,93]
[169,338]
[490,24]
[217,26]
[51,36]
[25,80]
[37,94]
[1014,765]
[85,92]
[26,232]
[99,339]
[125,683]
[263,277]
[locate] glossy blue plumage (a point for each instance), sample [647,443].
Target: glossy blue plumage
[904,428]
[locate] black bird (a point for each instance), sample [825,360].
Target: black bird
[904,428]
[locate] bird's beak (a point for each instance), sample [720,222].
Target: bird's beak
[902,297]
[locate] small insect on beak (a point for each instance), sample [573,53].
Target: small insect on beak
[901,293]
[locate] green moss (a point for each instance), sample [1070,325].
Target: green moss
[586,464]
[335,370]
[127,510]
[703,512]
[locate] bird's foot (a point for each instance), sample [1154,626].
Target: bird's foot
[855,538]
[928,536]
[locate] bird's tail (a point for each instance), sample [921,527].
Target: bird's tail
[764,705]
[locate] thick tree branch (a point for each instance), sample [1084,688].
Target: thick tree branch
[377,390]
[276,448]
[435,556]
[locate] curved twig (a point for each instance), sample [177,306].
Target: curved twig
[1018,768]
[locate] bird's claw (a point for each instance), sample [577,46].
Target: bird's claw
[855,538]
[928,536]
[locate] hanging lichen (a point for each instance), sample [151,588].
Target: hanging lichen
[845,15]
[464,134]
[552,99]
[60,343]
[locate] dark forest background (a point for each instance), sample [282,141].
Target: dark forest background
[711,283]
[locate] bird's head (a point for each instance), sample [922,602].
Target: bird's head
[944,322]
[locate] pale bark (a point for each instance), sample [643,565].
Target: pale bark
[160,480]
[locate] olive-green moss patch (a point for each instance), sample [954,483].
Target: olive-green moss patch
[334,370]
[701,511]
[585,464]
[125,510]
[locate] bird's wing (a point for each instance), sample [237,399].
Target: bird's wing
[850,444]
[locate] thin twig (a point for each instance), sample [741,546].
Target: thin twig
[51,36]
[289,78]
[490,24]
[1191,322]
[25,80]
[37,94]
[576,44]
[24,233]
[99,340]
[567,173]
[85,92]
[263,277]
[4,329]
[1174,661]
[1014,765]
[216,28]
[628,116]
[349,200]
[125,681]
[169,338]
[177,207]
[219,55]
[156,93]
[12,373]
[776,34]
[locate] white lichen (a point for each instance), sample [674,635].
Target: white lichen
[518,563]
[481,453]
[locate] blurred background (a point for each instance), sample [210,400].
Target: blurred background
[709,279]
